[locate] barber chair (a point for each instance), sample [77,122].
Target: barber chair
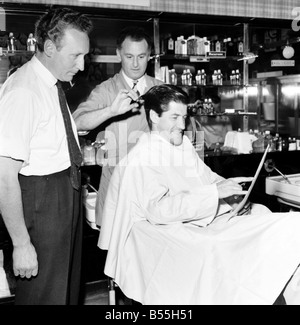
[111,291]
[113,295]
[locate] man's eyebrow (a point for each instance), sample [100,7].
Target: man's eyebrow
[128,53]
[176,114]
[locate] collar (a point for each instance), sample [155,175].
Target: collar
[43,72]
[130,82]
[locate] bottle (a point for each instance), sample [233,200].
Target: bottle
[285,144]
[206,44]
[170,48]
[217,150]
[203,80]
[89,154]
[184,46]
[189,77]
[215,77]
[198,78]
[275,142]
[230,47]
[225,41]
[235,46]
[240,51]
[238,77]
[205,106]
[298,144]
[292,144]
[213,41]
[210,106]
[233,78]
[279,144]
[268,139]
[173,77]
[180,46]
[191,45]
[31,43]
[218,46]
[11,42]
[289,142]
[183,78]
[219,77]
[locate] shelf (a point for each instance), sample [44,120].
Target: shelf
[4,52]
[230,114]
[200,58]
[213,86]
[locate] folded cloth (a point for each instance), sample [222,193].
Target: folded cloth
[241,141]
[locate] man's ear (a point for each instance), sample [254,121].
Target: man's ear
[49,48]
[154,117]
[118,54]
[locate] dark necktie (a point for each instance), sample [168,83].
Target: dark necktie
[74,151]
[134,87]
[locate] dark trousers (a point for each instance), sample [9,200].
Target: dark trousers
[53,219]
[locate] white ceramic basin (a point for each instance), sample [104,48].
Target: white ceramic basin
[278,186]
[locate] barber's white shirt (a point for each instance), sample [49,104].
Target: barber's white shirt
[31,123]
[140,86]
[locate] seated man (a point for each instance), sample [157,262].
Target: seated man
[167,228]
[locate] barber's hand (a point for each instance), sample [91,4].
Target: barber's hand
[25,263]
[123,102]
[231,186]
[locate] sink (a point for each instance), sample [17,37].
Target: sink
[278,186]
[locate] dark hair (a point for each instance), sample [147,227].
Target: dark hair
[53,24]
[159,97]
[137,34]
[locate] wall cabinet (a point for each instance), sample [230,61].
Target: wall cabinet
[244,99]
[279,104]
[227,59]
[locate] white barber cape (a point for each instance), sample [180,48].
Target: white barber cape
[166,245]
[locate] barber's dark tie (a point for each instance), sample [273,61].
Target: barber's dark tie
[74,150]
[134,87]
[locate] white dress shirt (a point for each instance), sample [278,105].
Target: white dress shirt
[31,124]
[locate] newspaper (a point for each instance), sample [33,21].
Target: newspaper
[240,206]
[226,208]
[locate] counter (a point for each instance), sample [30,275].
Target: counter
[245,165]
[228,165]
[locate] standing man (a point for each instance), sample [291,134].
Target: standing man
[123,127]
[40,192]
